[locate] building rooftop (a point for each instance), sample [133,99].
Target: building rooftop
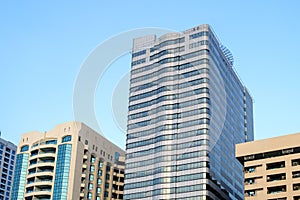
[267,145]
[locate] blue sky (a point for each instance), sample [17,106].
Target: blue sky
[44,43]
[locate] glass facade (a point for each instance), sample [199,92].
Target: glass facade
[187,110]
[20,177]
[62,172]
[69,162]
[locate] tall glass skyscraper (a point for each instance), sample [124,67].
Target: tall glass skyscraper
[187,110]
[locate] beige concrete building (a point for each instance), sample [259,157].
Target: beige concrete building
[70,162]
[271,168]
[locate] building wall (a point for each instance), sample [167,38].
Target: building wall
[186,108]
[271,168]
[69,162]
[7,163]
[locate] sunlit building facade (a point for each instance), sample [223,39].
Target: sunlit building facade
[271,168]
[187,110]
[71,161]
[7,163]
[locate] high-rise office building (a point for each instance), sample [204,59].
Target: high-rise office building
[7,163]
[272,168]
[71,161]
[187,110]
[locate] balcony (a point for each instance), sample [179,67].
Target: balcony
[249,181]
[45,164]
[32,164]
[35,146]
[296,186]
[85,157]
[48,161]
[295,162]
[296,174]
[41,192]
[250,169]
[276,177]
[81,194]
[47,155]
[31,172]
[43,183]
[44,173]
[276,189]
[276,165]
[44,146]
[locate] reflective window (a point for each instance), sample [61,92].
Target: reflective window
[24,148]
[67,138]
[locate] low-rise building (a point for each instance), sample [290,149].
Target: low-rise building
[271,168]
[72,161]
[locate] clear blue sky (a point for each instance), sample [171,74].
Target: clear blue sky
[44,43]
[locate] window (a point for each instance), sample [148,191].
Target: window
[93,159]
[251,193]
[117,155]
[250,181]
[51,142]
[296,162]
[250,169]
[98,190]
[99,181]
[99,172]
[91,177]
[276,177]
[275,165]
[107,177]
[139,53]
[276,189]
[138,62]
[108,168]
[90,195]
[296,186]
[92,168]
[61,180]
[296,174]
[24,148]
[90,186]
[100,163]
[67,138]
